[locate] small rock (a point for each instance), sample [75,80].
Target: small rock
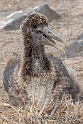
[80,17]
[71,61]
[75,48]
[14,20]
[72,72]
[80,37]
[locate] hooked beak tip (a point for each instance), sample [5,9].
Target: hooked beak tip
[49,36]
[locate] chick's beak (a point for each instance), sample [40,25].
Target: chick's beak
[49,38]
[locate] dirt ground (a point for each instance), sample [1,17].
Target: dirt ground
[68,28]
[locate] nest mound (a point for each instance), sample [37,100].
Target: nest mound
[63,111]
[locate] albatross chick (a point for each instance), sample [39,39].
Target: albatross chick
[36,76]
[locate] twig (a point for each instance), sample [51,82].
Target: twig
[5,118]
[8,105]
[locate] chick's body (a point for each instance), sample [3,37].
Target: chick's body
[36,76]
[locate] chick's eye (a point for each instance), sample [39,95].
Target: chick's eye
[34,26]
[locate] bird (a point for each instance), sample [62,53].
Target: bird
[36,75]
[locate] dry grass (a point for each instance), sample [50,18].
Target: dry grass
[64,111]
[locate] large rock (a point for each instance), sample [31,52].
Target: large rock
[3,15]
[75,48]
[14,20]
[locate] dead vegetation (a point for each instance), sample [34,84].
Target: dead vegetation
[64,111]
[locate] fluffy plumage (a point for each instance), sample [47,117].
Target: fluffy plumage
[36,73]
